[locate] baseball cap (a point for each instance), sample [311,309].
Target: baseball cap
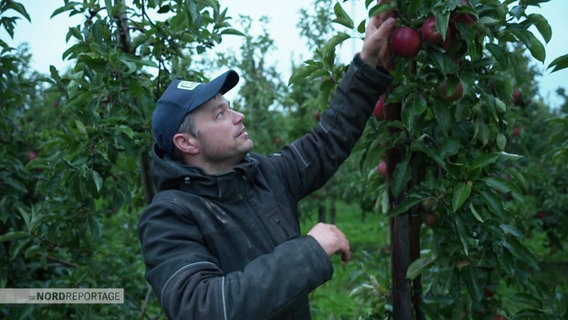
[182,97]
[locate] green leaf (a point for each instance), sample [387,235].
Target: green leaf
[342,17]
[542,25]
[303,72]
[442,21]
[520,252]
[510,230]
[475,213]
[13,235]
[442,115]
[493,202]
[433,154]
[559,63]
[462,192]
[232,31]
[383,7]
[96,63]
[509,156]
[127,131]
[504,186]
[450,147]
[418,265]
[404,206]
[462,232]
[98,180]
[18,7]
[472,283]
[401,176]
[361,27]
[531,42]
[443,62]
[80,126]
[484,160]
[330,45]
[501,141]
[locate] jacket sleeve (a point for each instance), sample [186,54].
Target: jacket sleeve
[189,283]
[310,161]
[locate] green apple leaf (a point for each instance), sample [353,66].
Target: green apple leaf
[342,17]
[401,176]
[531,42]
[416,267]
[559,63]
[541,24]
[462,192]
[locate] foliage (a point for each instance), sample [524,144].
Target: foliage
[70,209]
[75,146]
[262,89]
[452,159]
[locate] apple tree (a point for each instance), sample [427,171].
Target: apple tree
[445,140]
[76,147]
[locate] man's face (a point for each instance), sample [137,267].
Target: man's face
[221,136]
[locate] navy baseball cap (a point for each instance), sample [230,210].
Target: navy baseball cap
[182,97]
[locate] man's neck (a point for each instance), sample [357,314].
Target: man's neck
[212,168]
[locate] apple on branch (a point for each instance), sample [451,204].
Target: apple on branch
[429,31]
[456,94]
[379,110]
[405,42]
[382,168]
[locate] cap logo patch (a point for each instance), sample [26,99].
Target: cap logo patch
[187,85]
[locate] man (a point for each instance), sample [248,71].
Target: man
[221,238]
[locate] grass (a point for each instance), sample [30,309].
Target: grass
[369,241]
[368,238]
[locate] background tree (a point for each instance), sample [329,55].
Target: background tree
[73,216]
[261,89]
[445,144]
[484,172]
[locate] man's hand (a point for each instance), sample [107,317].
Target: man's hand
[331,239]
[376,44]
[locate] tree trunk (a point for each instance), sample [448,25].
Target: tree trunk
[332,210]
[123,28]
[321,212]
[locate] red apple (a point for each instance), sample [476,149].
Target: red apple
[456,95]
[430,220]
[405,42]
[518,97]
[516,132]
[382,168]
[316,115]
[429,31]
[31,155]
[541,215]
[379,111]
[452,44]
[277,140]
[427,204]
[465,18]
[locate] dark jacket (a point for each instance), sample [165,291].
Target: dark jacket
[229,246]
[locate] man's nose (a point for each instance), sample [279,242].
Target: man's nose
[238,117]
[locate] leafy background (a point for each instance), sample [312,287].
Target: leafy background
[490,168]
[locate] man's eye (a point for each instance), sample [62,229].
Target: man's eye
[220,115]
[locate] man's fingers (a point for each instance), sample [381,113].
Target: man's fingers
[332,240]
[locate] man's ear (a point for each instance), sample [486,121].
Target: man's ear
[186,143]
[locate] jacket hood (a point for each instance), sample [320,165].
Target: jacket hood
[170,174]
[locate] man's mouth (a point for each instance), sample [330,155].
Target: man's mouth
[241,132]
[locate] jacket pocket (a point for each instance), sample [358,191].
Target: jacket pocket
[280,225]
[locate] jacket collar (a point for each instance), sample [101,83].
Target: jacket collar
[170,174]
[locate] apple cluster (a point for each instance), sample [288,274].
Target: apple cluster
[406,42]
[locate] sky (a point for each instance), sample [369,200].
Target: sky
[46,36]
